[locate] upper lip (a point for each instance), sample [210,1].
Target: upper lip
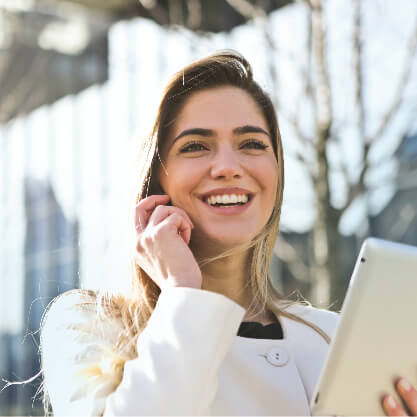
[224,190]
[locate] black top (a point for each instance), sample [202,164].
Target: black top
[255,330]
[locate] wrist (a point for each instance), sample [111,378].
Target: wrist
[186,282]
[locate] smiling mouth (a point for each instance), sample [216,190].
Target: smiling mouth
[227,200]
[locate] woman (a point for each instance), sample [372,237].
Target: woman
[206,218]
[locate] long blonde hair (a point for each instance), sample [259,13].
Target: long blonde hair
[226,68]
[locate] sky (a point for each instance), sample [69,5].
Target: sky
[86,144]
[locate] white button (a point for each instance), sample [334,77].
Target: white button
[277,356]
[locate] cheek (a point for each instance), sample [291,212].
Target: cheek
[179,179]
[270,179]
[267,172]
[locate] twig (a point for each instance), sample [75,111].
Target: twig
[399,96]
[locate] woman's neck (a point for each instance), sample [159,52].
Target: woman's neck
[229,276]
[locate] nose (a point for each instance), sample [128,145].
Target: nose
[226,164]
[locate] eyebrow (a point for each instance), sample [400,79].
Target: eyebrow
[208,132]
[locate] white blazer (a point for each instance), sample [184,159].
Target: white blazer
[190,360]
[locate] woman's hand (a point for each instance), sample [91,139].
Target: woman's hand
[162,237]
[409,396]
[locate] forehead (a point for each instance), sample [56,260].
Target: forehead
[220,108]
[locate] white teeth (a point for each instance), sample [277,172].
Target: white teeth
[227,199]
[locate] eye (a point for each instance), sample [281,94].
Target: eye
[193,147]
[254,144]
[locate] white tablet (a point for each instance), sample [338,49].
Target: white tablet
[376,339]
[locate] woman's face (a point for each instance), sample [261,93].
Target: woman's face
[220,167]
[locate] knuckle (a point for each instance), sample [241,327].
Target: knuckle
[159,232]
[140,204]
[140,248]
[159,209]
[139,226]
[147,240]
[158,212]
[175,216]
[143,243]
[182,212]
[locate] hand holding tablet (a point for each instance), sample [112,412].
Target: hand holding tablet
[408,394]
[376,340]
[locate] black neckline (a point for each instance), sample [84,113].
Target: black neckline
[256,330]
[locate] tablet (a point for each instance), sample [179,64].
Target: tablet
[376,339]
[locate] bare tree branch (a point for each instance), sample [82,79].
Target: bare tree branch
[359,187]
[250,11]
[323,96]
[405,129]
[307,76]
[306,164]
[294,122]
[323,117]
[357,64]
[399,95]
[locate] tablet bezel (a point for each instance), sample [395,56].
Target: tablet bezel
[359,370]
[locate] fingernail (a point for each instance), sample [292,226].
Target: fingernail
[390,402]
[404,384]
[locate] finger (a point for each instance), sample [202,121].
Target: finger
[392,407]
[162,212]
[186,235]
[145,208]
[408,394]
[181,226]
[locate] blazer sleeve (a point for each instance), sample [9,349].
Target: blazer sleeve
[175,373]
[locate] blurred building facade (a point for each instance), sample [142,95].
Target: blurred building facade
[50,268]
[398,220]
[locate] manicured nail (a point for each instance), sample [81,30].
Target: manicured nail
[390,402]
[404,384]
